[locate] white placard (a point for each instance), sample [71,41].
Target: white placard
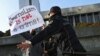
[25,19]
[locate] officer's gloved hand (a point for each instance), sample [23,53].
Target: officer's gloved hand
[24,46]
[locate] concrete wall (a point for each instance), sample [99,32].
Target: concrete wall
[8,46]
[9,40]
[88,36]
[10,50]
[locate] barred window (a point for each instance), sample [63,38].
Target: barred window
[90,18]
[83,18]
[97,17]
[70,19]
[77,20]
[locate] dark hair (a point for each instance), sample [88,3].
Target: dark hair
[55,9]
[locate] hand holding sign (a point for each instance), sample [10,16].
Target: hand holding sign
[25,19]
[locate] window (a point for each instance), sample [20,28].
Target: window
[90,18]
[97,17]
[70,19]
[83,18]
[77,20]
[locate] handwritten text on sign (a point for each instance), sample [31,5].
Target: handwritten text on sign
[25,19]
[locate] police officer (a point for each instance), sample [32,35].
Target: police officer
[58,25]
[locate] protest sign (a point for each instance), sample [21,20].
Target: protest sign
[25,19]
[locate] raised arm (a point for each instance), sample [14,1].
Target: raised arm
[51,29]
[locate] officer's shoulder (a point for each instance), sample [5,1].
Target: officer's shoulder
[59,18]
[65,21]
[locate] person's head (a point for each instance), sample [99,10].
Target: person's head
[55,10]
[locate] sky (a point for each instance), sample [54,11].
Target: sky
[47,4]
[7,7]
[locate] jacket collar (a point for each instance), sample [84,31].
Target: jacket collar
[54,16]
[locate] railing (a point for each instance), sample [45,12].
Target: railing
[83,53]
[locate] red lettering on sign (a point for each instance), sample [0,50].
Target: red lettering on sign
[26,17]
[18,21]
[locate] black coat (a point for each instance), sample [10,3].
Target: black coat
[51,48]
[67,33]
[51,29]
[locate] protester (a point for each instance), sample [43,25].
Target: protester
[58,25]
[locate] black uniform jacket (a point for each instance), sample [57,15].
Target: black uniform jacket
[51,29]
[58,25]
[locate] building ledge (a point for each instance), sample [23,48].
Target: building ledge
[11,40]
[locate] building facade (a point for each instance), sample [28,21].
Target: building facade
[81,14]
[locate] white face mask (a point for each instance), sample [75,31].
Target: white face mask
[51,14]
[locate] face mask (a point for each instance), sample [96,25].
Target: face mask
[51,14]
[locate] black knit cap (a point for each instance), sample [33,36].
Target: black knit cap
[55,9]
